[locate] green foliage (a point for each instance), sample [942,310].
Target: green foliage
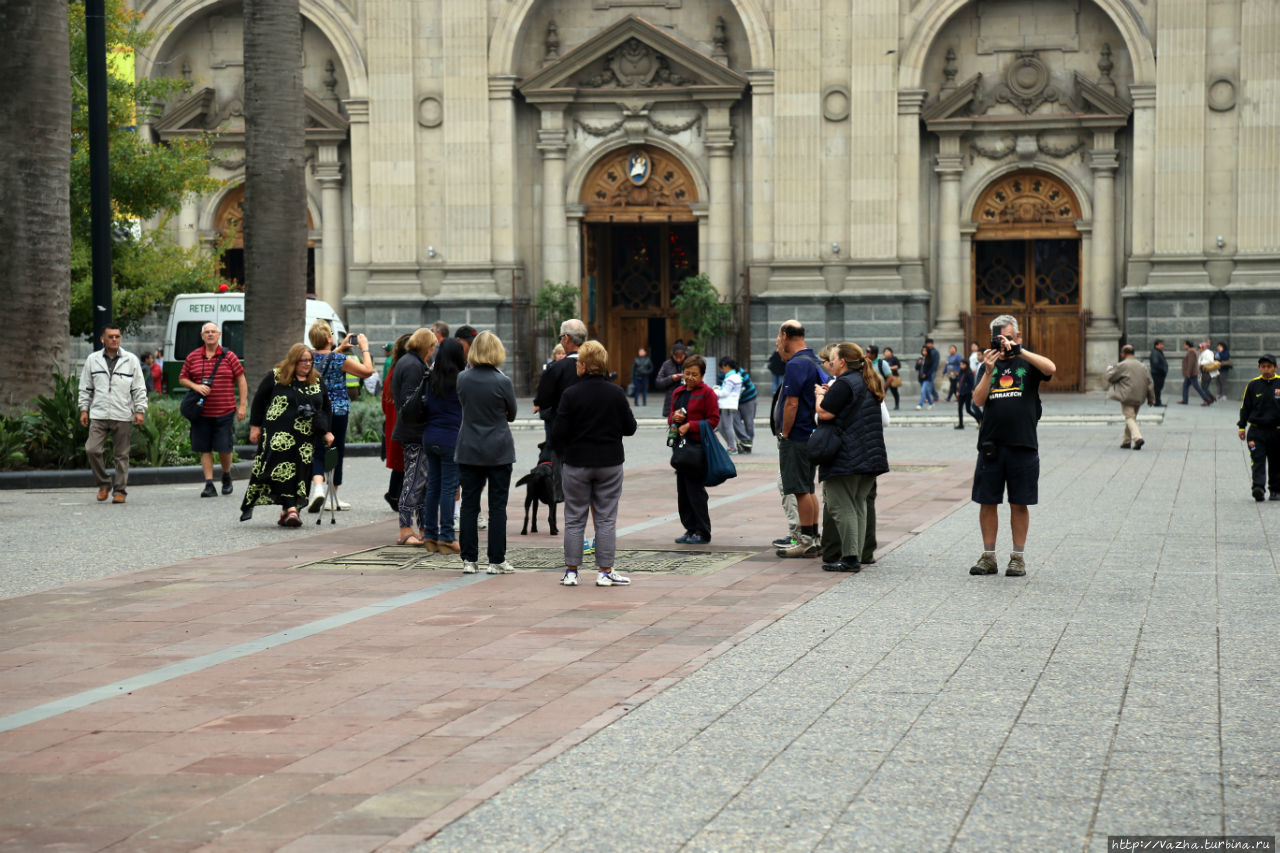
[164,439]
[13,444]
[366,420]
[55,438]
[555,303]
[701,310]
[147,181]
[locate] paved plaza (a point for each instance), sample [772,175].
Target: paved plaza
[274,693]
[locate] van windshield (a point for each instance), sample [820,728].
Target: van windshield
[188,337]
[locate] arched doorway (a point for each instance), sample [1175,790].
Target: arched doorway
[639,241]
[230,223]
[1026,262]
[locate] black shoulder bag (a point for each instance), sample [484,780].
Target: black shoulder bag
[192,405]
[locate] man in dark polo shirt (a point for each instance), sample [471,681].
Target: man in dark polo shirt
[795,419]
[1008,391]
[211,432]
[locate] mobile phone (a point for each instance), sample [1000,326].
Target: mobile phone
[997,342]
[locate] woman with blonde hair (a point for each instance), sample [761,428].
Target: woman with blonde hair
[410,421]
[290,412]
[333,363]
[853,401]
[485,451]
[590,422]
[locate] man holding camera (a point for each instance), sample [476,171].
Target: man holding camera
[1008,390]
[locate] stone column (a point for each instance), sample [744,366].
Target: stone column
[1144,178]
[330,280]
[358,113]
[951,281]
[1102,298]
[553,142]
[910,102]
[187,224]
[1103,334]
[720,150]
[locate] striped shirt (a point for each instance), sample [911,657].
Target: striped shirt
[222,395]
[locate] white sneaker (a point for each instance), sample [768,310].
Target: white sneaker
[337,503]
[918,408]
[481,522]
[612,578]
[569,579]
[503,568]
[317,497]
[468,567]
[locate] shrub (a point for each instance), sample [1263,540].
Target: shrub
[366,420]
[55,438]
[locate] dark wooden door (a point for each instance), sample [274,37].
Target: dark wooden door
[1038,282]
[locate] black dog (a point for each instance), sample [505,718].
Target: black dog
[539,486]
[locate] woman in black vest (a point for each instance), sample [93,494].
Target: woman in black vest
[853,401]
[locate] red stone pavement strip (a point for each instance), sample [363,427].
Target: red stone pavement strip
[374,734]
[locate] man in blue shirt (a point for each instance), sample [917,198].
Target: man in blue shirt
[795,419]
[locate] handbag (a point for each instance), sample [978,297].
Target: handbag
[1212,366]
[825,443]
[192,405]
[719,465]
[687,456]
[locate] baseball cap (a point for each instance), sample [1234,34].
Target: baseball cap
[1266,358]
[388,346]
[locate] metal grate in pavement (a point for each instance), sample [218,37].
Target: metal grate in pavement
[403,558]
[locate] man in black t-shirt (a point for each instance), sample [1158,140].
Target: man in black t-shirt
[1008,390]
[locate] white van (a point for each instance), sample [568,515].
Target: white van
[190,311]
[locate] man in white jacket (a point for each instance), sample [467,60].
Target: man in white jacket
[113,397]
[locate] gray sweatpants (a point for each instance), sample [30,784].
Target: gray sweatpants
[595,491]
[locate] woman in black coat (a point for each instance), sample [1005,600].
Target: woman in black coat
[591,420]
[410,422]
[853,401]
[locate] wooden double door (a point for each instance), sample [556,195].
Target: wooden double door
[632,272]
[1038,282]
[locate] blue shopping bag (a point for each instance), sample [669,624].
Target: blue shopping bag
[719,465]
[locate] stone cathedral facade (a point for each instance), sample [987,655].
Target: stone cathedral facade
[1106,170]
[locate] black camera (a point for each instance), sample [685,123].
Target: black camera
[306,410]
[997,343]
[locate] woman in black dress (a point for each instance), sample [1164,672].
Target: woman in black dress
[290,412]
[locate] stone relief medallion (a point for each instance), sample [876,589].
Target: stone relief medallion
[430,111]
[1222,93]
[638,168]
[835,103]
[634,64]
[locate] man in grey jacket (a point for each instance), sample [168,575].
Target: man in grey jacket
[113,397]
[1131,386]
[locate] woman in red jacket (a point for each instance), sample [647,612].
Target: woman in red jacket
[394,449]
[694,402]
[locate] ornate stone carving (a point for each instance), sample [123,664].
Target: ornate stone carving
[599,131]
[950,70]
[331,85]
[677,127]
[1105,65]
[552,43]
[720,43]
[1059,144]
[992,147]
[1026,84]
[633,65]
[1024,198]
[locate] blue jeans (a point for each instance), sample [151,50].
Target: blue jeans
[640,390]
[1189,382]
[928,396]
[442,484]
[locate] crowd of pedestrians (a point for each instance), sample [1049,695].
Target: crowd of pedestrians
[448,406]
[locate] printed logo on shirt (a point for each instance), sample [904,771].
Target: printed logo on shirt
[1008,383]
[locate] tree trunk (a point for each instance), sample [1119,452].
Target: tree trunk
[275,204]
[35,184]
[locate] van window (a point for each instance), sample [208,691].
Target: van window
[188,338]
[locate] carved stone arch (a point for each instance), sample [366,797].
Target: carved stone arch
[979,195]
[329,18]
[506,34]
[686,185]
[931,16]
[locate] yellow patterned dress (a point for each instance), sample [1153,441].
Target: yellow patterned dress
[293,418]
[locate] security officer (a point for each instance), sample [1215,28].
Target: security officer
[1260,413]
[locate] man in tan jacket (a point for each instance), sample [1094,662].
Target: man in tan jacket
[1131,384]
